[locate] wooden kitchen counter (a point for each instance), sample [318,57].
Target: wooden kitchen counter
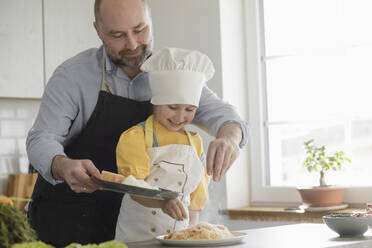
[280,214]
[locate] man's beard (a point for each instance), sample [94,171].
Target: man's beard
[134,62]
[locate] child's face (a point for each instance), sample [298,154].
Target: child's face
[174,116]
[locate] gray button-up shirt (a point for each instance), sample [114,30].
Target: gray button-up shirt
[71,96]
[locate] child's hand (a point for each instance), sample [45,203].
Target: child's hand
[174,208]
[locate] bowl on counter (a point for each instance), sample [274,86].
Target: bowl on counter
[349,224]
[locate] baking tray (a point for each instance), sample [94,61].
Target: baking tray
[161,194]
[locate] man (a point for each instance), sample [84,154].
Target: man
[91,99]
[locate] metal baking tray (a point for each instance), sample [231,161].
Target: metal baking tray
[161,194]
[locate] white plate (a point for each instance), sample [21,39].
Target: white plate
[320,209]
[238,237]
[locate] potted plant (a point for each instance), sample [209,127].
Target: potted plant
[317,160]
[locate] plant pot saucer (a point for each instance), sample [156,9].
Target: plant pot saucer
[321,209]
[325,187]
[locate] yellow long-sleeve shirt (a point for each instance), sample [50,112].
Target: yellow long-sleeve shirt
[132,157]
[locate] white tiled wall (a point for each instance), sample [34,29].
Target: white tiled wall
[16,118]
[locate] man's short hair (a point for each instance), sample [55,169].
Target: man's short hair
[97,6]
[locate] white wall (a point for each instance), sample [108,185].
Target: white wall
[16,118]
[190,24]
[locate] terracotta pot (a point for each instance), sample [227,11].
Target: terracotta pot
[322,196]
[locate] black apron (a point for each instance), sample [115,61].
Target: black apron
[61,216]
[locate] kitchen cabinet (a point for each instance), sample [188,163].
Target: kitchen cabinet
[68,30]
[38,35]
[21,49]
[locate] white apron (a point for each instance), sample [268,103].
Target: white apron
[174,167]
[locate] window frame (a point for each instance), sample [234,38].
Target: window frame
[260,193]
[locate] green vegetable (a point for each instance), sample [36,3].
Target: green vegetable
[112,244]
[38,244]
[107,244]
[14,227]
[74,245]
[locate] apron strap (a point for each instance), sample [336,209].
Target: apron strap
[104,85]
[149,133]
[192,143]
[154,140]
[149,130]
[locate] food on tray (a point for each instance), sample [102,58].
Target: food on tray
[111,177]
[203,230]
[131,180]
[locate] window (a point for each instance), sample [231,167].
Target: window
[314,83]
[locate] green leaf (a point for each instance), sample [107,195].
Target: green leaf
[38,244]
[14,226]
[317,158]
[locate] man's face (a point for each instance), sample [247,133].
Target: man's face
[174,116]
[124,27]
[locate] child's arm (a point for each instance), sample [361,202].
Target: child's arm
[173,207]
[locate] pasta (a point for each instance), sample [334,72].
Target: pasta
[203,230]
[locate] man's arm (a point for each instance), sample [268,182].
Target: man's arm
[221,120]
[213,113]
[224,150]
[51,130]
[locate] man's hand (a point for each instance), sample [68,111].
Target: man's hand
[224,150]
[76,173]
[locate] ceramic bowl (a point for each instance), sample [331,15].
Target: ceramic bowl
[348,224]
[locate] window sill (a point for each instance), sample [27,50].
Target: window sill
[256,213]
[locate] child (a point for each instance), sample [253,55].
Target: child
[161,151]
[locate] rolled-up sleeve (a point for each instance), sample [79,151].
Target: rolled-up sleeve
[57,110]
[213,113]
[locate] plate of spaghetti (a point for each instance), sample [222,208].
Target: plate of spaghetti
[202,234]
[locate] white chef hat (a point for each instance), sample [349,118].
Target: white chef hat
[177,76]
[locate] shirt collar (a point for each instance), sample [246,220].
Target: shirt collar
[110,67]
